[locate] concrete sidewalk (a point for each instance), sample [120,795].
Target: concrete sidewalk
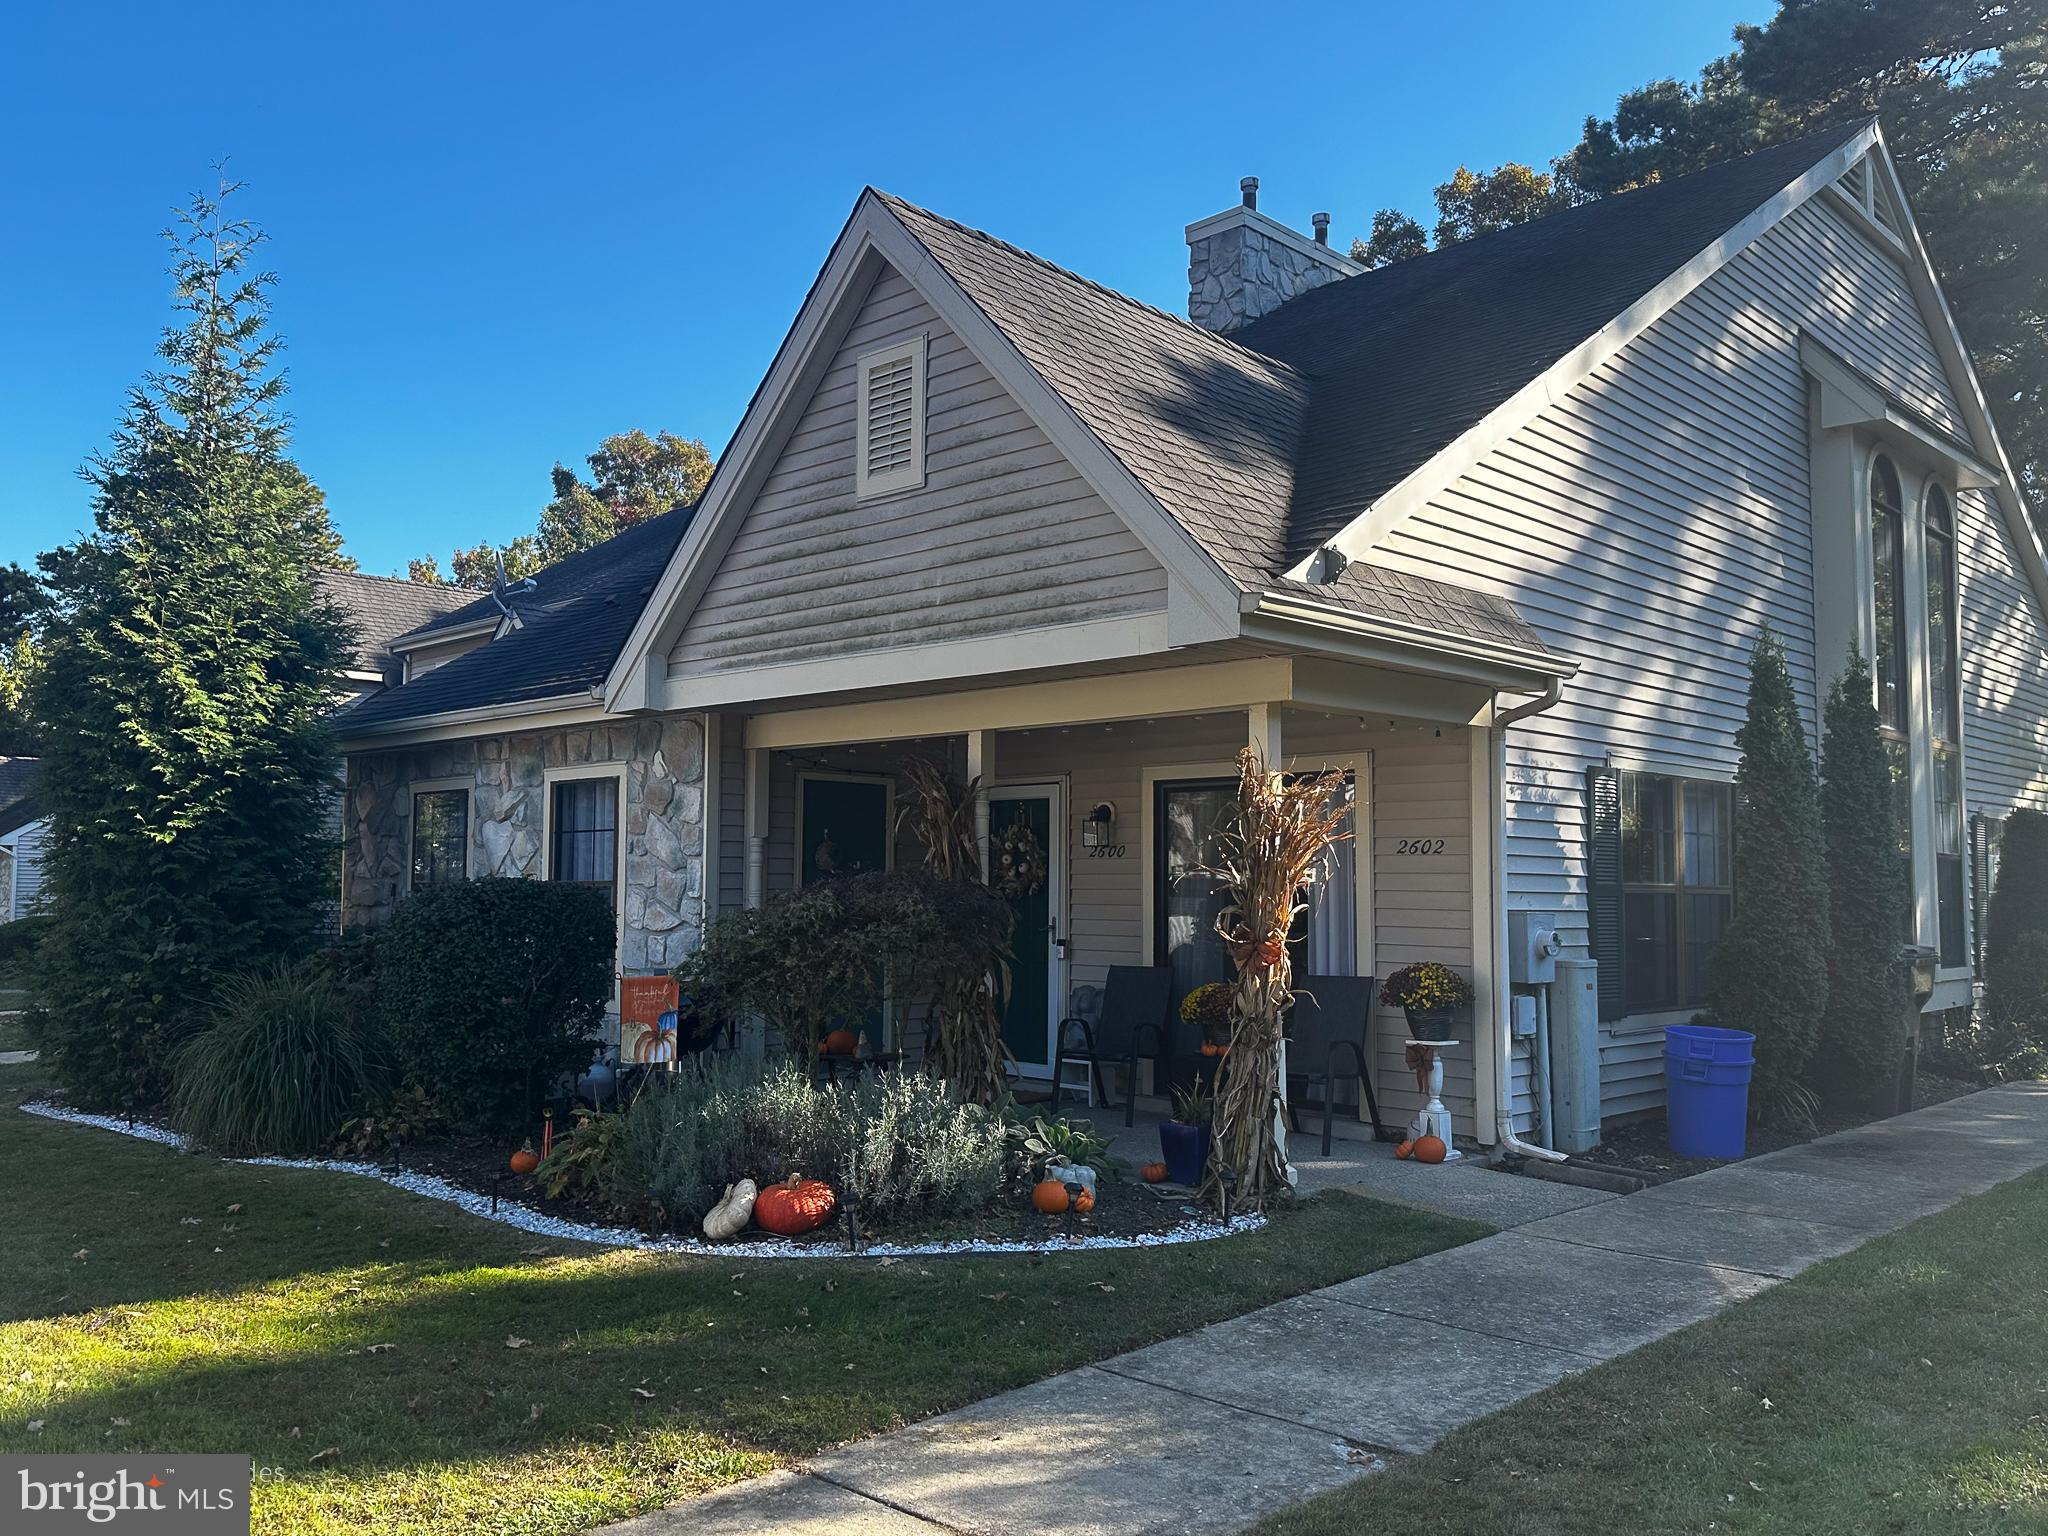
[1208,1432]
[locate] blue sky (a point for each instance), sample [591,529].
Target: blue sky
[503,232]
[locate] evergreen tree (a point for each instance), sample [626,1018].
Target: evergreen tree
[2019,902]
[1863,1032]
[1770,972]
[184,678]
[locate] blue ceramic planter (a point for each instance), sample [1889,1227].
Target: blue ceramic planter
[1185,1151]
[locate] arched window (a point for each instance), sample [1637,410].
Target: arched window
[1888,593]
[1944,713]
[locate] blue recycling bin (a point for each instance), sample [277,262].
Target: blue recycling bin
[1706,1089]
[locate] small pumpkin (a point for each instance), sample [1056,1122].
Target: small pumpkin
[841,1042]
[1405,1150]
[1153,1173]
[1049,1196]
[1430,1149]
[1084,1202]
[525,1160]
[795,1206]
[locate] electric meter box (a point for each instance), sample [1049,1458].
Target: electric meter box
[1533,948]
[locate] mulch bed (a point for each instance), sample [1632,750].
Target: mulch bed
[1642,1146]
[1123,1207]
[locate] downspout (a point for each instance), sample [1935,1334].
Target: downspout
[1505,1139]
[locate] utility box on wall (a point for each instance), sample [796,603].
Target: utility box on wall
[1575,1056]
[1532,948]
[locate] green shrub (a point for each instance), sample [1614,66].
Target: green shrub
[2016,992]
[491,992]
[1864,1029]
[901,1143]
[1770,970]
[407,1116]
[281,1064]
[18,940]
[917,1151]
[2019,901]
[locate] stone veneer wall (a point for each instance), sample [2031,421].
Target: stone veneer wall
[1238,274]
[663,772]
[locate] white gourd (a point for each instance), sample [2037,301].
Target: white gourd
[732,1213]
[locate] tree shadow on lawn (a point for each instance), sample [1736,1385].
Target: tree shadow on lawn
[428,1361]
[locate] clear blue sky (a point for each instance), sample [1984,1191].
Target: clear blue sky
[505,231]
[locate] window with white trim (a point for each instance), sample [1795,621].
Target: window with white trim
[1677,886]
[440,836]
[1944,718]
[889,411]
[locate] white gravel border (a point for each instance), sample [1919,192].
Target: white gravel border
[511,1213]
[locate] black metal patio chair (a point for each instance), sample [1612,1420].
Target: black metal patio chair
[1329,1033]
[1134,1004]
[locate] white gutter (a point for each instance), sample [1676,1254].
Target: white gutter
[1505,1139]
[367,737]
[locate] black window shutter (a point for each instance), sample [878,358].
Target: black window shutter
[1603,864]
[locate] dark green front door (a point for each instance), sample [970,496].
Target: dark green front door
[1028,1016]
[845,830]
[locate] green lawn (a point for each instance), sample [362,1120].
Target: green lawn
[1900,1389]
[405,1367]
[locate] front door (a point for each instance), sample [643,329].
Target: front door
[846,826]
[1027,820]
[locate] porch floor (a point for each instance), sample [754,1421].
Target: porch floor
[1465,1188]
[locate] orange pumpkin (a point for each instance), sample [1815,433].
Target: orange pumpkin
[1049,1196]
[1153,1173]
[1405,1150]
[525,1160]
[1084,1202]
[841,1042]
[795,1206]
[1430,1149]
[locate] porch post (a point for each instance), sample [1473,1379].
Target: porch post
[1263,733]
[756,793]
[981,764]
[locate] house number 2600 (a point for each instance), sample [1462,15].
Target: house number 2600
[1419,845]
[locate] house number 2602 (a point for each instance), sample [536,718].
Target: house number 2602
[1419,845]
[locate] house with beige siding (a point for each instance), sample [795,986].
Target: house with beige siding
[1491,530]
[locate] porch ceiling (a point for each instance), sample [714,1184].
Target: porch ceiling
[1298,682]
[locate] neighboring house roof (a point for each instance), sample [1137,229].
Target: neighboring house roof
[18,804]
[1266,443]
[571,626]
[383,608]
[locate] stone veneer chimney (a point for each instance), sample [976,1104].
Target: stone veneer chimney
[1243,264]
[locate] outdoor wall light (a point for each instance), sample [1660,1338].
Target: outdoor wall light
[1099,830]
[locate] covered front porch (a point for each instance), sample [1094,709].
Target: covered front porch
[1122,781]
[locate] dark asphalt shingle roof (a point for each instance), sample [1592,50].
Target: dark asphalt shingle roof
[1437,606]
[573,624]
[383,608]
[18,804]
[1267,443]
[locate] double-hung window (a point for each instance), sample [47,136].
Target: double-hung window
[1888,662]
[1677,886]
[440,836]
[1944,719]
[584,833]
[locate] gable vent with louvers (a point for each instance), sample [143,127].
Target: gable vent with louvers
[891,413]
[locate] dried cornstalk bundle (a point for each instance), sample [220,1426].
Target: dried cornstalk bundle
[968,1004]
[1275,846]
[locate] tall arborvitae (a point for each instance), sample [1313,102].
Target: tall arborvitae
[1770,972]
[1863,1033]
[183,684]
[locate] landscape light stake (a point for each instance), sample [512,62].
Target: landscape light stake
[497,1179]
[850,1208]
[394,1144]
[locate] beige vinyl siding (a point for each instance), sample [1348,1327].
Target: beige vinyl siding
[1422,907]
[1650,521]
[1005,535]
[729,815]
